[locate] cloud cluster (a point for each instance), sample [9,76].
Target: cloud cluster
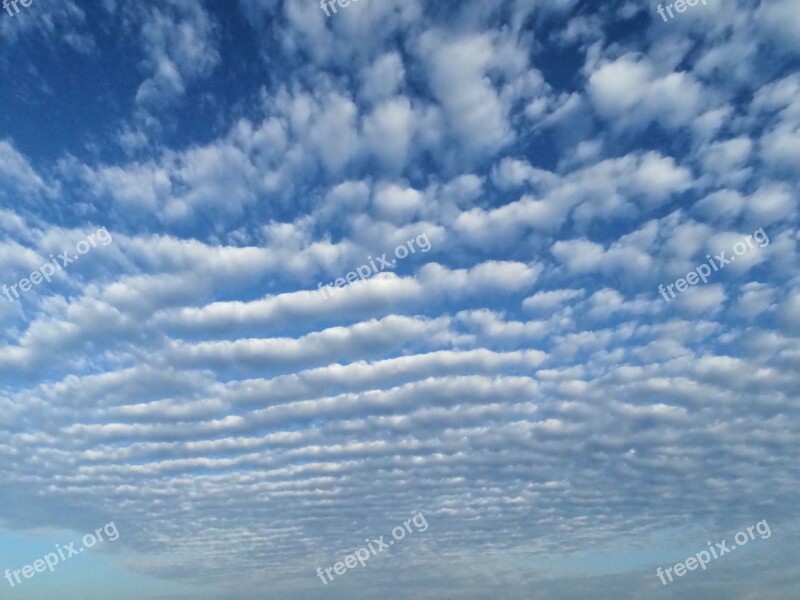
[522,384]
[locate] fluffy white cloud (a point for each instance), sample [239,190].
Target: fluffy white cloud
[178,39]
[632,92]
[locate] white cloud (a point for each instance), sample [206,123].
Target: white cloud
[179,45]
[457,69]
[17,176]
[631,92]
[389,131]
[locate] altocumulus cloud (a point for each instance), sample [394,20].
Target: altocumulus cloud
[522,384]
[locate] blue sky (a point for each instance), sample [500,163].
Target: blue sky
[522,382]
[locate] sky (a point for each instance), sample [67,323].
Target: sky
[276,280]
